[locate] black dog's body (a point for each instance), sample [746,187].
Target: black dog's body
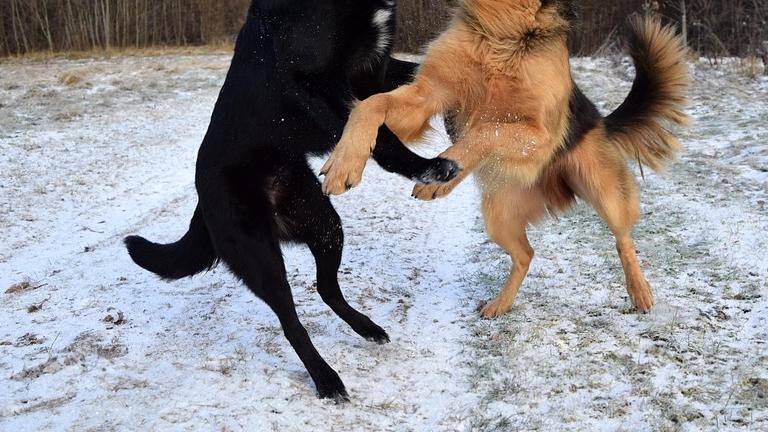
[297,66]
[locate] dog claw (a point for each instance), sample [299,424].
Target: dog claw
[441,171]
[331,387]
[494,309]
[373,333]
[338,396]
[481,305]
[381,341]
[341,399]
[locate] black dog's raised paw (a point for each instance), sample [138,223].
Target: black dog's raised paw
[439,171]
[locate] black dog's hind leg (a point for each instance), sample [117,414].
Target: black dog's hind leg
[310,218]
[263,271]
[243,232]
[278,296]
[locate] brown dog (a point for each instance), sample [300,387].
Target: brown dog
[532,138]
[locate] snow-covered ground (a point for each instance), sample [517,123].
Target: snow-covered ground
[92,150]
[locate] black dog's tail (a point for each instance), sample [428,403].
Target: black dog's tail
[658,95]
[191,254]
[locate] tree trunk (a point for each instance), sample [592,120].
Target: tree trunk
[684,21]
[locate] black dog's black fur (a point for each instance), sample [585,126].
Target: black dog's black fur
[297,66]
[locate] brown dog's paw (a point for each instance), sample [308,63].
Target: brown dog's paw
[641,296]
[494,308]
[344,169]
[429,192]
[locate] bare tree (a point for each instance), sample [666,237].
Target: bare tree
[711,27]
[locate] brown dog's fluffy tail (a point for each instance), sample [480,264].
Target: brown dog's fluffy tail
[658,95]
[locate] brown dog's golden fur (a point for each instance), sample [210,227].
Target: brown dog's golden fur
[531,137]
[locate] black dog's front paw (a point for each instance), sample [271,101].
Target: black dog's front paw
[439,171]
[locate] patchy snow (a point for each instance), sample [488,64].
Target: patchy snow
[92,150]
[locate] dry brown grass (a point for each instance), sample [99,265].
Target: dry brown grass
[70,78]
[223,47]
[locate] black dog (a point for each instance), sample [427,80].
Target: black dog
[297,66]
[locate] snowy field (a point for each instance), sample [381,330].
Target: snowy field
[93,150]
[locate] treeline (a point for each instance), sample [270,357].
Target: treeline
[712,27]
[74,25]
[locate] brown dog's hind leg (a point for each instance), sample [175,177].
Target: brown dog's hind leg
[507,213]
[611,191]
[621,212]
[637,286]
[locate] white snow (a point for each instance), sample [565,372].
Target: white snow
[85,164]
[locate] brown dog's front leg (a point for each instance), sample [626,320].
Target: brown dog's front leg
[344,168]
[405,111]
